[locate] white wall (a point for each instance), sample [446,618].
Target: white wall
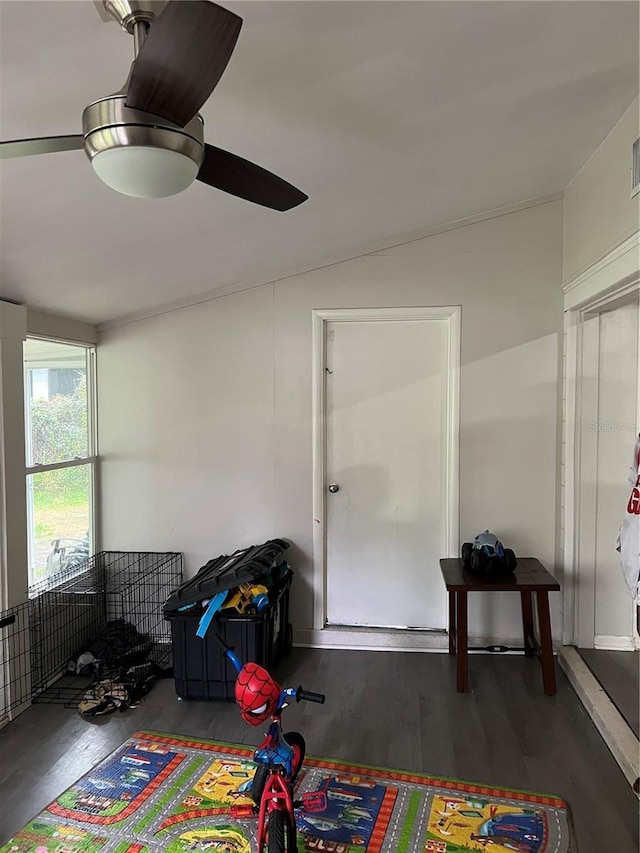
[13,499]
[205,412]
[599,212]
[44,325]
[186,429]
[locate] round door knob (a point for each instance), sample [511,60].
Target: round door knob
[333,488]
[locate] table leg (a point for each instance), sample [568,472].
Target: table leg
[452,622]
[462,661]
[527,623]
[546,645]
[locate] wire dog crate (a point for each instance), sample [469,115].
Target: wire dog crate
[65,612]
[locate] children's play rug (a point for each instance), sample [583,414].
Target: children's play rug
[167,793]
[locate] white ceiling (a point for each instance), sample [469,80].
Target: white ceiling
[394,117]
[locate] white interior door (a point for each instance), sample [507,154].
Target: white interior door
[609,427]
[388,437]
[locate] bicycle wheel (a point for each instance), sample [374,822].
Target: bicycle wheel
[297,744]
[257,786]
[281,834]
[292,842]
[275,833]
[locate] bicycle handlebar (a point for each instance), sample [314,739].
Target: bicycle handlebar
[229,653]
[309,696]
[300,693]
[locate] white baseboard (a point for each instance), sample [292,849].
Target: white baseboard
[615,731]
[388,639]
[613,643]
[372,639]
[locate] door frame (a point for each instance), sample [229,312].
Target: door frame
[609,280]
[320,318]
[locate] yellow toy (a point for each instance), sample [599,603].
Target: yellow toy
[248,598]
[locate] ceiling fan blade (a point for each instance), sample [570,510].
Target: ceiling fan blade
[182,59]
[41,145]
[239,177]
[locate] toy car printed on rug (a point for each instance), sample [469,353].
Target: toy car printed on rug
[168,793]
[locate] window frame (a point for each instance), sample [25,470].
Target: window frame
[90,460]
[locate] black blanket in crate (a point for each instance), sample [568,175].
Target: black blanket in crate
[121,661]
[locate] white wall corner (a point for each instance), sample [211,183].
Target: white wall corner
[600,212]
[620,265]
[44,325]
[13,321]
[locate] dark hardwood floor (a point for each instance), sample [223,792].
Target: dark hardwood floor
[393,709]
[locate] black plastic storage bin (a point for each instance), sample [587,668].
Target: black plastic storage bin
[225,572]
[201,670]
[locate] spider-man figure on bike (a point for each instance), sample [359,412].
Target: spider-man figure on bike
[257,694]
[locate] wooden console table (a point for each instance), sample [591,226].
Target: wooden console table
[529,577]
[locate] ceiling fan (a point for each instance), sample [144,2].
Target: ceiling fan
[147,139]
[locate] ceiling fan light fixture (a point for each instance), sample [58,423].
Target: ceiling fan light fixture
[147,139]
[145,172]
[139,154]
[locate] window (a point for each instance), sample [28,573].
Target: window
[60,450]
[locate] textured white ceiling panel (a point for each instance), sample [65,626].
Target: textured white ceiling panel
[394,117]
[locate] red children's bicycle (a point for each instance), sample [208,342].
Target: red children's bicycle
[279,757]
